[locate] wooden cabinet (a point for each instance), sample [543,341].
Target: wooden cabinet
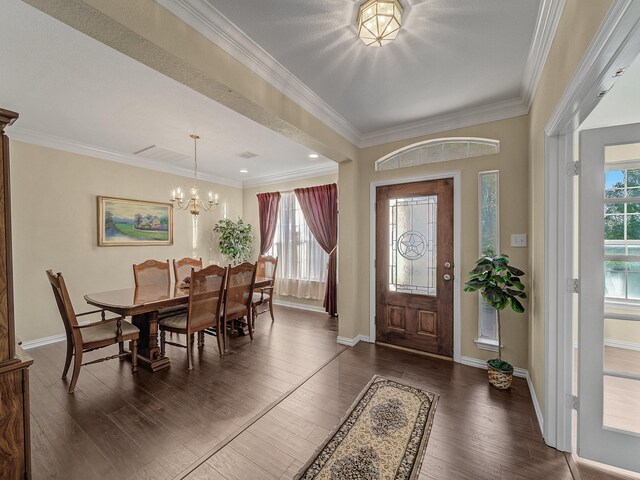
[15,461]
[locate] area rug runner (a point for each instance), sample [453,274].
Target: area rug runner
[383,436]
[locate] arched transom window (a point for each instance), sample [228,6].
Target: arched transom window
[438,150]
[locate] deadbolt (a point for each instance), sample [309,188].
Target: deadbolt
[447,264]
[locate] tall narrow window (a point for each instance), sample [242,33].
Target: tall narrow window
[489,239]
[302,263]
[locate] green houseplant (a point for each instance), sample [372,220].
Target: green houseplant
[500,286]
[234,239]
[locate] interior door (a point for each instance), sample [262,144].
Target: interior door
[609,242]
[414,266]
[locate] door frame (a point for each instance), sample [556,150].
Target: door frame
[615,45]
[457,224]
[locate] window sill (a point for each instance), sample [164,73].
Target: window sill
[486,344]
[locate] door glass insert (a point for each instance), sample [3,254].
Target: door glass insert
[621,381]
[622,403]
[413,245]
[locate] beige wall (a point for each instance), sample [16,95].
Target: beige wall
[250,208]
[54,215]
[513,167]
[622,331]
[578,24]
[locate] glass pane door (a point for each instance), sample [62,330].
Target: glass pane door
[609,323]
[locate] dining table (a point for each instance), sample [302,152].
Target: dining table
[143,305]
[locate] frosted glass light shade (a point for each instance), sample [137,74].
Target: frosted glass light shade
[379,21]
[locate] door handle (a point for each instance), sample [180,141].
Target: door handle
[447,277]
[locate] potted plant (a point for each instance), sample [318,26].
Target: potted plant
[500,286]
[234,239]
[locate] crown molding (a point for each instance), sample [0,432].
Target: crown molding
[295,175]
[58,143]
[448,121]
[545,30]
[208,21]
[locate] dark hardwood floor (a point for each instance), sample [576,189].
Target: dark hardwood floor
[262,411]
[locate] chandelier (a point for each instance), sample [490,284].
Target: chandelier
[194,203]
[379,21]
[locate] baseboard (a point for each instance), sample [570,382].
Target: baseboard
[536,405]
[622,344]
[299,306]
[39,342]
[350,342]
[517,372]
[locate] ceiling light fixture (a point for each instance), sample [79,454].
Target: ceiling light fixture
[313,155]
[244,170]
[379,21]
[194,204]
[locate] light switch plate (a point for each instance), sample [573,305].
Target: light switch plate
[519,240]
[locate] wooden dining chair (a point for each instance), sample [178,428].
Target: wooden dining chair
[206,290]
[182,268]
[267,266]
[87,337]
[154,273]
[238,295]
[151,272]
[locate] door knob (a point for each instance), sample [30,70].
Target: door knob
[447,277]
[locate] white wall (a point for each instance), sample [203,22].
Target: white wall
[54,225]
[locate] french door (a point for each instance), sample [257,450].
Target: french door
[414,265]
[609,242]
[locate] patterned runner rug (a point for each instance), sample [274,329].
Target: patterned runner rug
[383,436]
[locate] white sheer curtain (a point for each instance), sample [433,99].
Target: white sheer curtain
[302,263]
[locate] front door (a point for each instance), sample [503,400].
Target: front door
[609,373]
[414,265]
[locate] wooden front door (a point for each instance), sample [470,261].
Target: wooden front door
[414,266]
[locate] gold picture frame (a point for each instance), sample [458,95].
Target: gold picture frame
[126,222]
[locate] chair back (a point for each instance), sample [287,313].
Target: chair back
[267,266]
[182,268]
[240,282]
[206,290]
[63,301]
[152,272]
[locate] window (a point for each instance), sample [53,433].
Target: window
[438,150]
[302,263]
[622,235]
[489,239]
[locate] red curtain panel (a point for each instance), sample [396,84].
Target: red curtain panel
[268,212]
[320,208]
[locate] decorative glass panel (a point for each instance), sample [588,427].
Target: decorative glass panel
[439,150]
[488,201]
[413,245]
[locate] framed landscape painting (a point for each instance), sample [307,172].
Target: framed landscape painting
[134,222]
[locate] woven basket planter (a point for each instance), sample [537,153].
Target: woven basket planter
[499,379]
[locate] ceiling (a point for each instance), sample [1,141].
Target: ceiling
[76,93]
[621,105]
[449,55]
[454,63]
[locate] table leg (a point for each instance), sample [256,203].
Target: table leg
[148,348]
